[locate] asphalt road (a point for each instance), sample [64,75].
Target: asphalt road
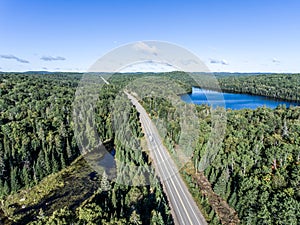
[184,208]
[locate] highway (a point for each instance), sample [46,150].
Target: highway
[183,207]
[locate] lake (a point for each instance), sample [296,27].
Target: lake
[231,100]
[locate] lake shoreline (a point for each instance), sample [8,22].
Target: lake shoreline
[232,99]
[220,90]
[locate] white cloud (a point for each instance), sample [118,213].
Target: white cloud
[51,58]
[275,60]
[148,66]
[14,58]
[217,61]
[141,46]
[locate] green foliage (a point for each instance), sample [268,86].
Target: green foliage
[279,86]
[257,167]
[256,170]
[35,127]
[45,144]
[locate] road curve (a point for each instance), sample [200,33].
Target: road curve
[184,208]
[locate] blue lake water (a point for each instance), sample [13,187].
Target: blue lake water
[231,100]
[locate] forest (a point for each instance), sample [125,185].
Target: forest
[278,86]
[38,144]
[47,148]
[36,134]
[257,168]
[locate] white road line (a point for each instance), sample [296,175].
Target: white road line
[166,169]
[171,180]
[162,173]
[171,167]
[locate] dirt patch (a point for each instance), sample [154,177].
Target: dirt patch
[226,214]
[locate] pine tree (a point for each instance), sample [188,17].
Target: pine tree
[25,177]
[135,218]
[105,184]
[14,180]
[55,164]
[5,189]
[156,218]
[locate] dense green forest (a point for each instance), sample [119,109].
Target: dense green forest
[257,169]
[36,134]
[37,139]
[44,179]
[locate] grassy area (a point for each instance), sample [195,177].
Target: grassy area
[67,188]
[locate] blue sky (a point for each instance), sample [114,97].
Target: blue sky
[70,35]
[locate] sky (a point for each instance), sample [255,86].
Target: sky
[228,36]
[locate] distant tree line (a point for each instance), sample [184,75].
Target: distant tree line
[277,86]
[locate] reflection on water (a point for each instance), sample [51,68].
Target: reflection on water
[102,159]
[230,100]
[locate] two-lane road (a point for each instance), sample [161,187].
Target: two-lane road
[184,209]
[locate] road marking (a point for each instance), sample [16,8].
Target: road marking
[171,167]
[161,156]
[170,178]
[162,173]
